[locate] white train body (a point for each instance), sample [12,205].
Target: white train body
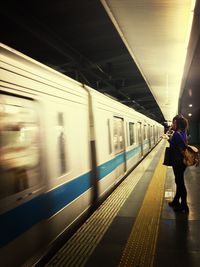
[63,146]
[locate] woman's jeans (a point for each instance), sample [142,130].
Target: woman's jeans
[180,185]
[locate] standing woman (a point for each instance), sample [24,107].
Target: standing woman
[177,145]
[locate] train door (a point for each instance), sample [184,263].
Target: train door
[140,140]
[119,147]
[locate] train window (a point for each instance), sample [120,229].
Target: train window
[131,133]
[118,135]
[154,134]
[139,133]
[145,131]
[61,144]
[121,145]
[109,137]
[19,146]
[149,131]
[127,133]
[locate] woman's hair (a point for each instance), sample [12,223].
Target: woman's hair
[181,123]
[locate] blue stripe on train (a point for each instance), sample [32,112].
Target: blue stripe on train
[18,220]
[133,152]
[109,166]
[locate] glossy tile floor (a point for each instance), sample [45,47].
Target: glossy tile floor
[178,242]
[179,234]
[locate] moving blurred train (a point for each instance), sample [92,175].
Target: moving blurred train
[63,147]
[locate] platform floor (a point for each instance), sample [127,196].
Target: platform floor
[136,227]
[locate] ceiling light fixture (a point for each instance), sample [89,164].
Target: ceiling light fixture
[190,105]
[189,114]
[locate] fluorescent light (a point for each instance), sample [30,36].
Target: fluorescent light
[157,37]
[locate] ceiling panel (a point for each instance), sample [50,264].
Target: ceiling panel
[79,39]
[156,34]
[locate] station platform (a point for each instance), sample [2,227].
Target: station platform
[135,226]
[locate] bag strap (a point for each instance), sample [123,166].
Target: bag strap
[186,145]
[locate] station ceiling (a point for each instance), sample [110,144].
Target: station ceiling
[79,39]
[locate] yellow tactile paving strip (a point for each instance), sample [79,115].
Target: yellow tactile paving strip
[81,245]
[78,249]
[140,248]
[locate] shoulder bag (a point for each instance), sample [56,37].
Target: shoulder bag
[167,158]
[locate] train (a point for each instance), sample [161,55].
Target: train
[64,147]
